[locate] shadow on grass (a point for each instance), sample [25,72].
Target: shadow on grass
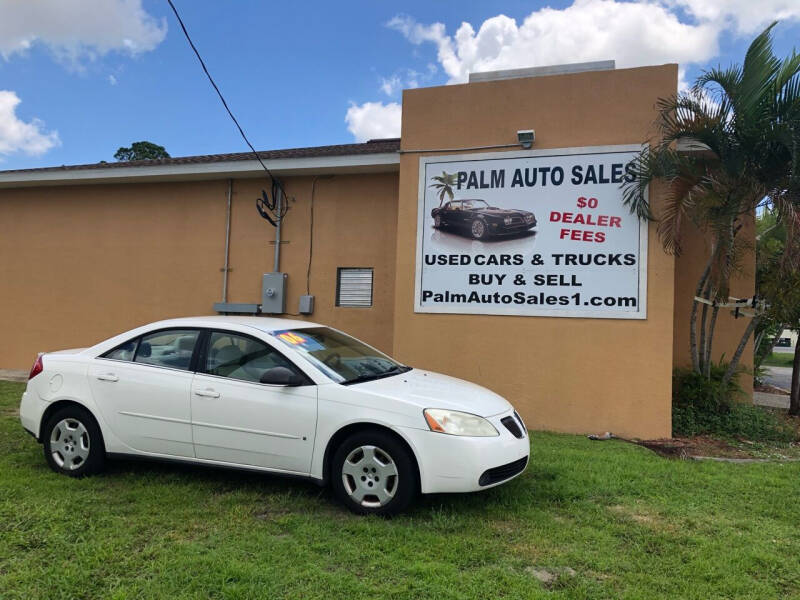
[536,487]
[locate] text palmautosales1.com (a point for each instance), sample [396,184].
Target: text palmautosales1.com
[523,298]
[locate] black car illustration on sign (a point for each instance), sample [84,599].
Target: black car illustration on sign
[481,220]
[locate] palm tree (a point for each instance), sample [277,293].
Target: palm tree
[727,146]
[444,185]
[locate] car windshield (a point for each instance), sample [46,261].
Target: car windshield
[340,357]
[467,204]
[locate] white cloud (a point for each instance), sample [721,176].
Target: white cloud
[373,120]
[633,34]
[391,85]
[407,79]
[112,80]
[746,16]
[17,135]
[75,30]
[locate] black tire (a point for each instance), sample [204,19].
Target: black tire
[479,229]
[438,222]
[87,439]
[405,484]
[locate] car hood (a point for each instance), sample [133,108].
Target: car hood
[426,389]
[503,212]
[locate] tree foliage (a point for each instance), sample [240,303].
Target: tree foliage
[725,147]
[141,151]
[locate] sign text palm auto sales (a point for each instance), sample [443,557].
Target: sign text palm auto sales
[530,234]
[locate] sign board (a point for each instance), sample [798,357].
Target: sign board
[535,233]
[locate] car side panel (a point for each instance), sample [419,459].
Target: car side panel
[340,406]
[63,378]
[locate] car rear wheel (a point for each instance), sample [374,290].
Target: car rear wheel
[73,444]
[373,473]
[478,229]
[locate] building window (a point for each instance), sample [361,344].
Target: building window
[354,287]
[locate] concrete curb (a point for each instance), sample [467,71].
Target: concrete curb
[770,400]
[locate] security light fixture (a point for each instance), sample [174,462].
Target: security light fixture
[526,137]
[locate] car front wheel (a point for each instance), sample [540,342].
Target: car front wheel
[373,473]
[479,229]
[437,222]
[73,444]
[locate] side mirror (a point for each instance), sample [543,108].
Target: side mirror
[281,376]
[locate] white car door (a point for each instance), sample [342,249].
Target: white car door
[236,419]
[143,390]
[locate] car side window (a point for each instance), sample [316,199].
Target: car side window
[242,357]
[169,348]
[124,351]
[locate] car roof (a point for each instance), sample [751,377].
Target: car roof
[265,324]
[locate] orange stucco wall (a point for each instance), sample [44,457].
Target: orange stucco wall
[568,374]
[80,263]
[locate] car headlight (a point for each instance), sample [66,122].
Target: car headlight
[529,218]
[508,220]
[454,422]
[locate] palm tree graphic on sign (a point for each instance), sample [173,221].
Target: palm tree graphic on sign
[444,185]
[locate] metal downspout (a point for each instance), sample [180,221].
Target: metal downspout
[278,208]
[226,268]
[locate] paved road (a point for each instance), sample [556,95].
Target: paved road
[778,376]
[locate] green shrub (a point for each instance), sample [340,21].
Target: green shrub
[703,405]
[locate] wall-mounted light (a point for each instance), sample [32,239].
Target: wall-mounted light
[526,137]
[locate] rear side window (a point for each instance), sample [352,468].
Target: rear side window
[124,351]
[170,348]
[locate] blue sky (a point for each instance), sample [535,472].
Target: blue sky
[79,78]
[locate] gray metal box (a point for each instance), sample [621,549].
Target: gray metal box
[306,305]
[273,293]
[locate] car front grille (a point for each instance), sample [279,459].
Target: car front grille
[512,425]
[503,472]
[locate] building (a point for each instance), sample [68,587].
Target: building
[787,339]
[577,319]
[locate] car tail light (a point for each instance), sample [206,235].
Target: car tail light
[37,368]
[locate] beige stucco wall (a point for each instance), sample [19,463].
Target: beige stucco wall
[80,263]
[567,374]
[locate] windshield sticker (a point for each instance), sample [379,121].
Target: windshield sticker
[295,339]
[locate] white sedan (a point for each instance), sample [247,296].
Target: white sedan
[274,395]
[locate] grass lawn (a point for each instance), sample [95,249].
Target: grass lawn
[630,524]
[779,359]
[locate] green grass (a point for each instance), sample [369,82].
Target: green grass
[631,524]
[779,359]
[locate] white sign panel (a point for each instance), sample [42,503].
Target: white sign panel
[540,232]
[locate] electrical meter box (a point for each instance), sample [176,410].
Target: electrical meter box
[273,293]
[306,305]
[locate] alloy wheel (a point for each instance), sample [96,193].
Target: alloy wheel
[478,228]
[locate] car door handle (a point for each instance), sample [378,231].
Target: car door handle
[206,393]
[108,377]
